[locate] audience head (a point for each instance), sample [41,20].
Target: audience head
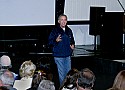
[27,69]
[72,72]
[86,79]
[70,80]
[7,78]
[46,85]
[5,62]
[119,82]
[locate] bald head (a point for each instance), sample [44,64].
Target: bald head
[5,61]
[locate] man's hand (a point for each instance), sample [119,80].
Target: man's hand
[58,39]
[72,46]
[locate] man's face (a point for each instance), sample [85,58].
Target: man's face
[62,21]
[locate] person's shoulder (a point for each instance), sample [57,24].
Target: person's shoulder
[55,28]
[68,28]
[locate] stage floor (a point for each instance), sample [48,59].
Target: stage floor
[83,50]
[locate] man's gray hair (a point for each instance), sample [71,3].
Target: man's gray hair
[46,85]
[61,16]
[6,78]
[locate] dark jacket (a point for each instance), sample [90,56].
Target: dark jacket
[62,48]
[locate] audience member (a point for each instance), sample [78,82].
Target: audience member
[39,75]
[119,81]
[43,72]
[7,79]
[46,85]
[26,73]
[5,64]
[69,82]
[86,79]
[27,69]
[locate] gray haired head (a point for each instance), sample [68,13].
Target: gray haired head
[5,62]
[46,85]
[7,77]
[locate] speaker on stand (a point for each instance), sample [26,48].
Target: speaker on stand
[96,23]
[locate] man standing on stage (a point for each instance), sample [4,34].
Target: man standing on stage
[62,41]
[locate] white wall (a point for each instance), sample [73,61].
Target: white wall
[27,12]
[81,35]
